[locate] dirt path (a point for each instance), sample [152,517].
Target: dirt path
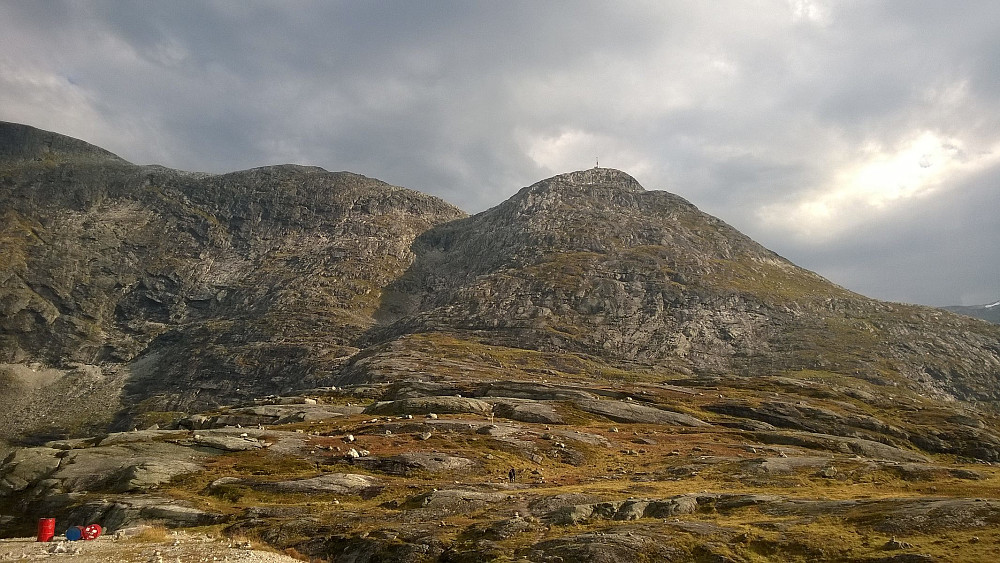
[182,548]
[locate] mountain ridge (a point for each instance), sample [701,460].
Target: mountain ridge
[286,276]
[353,371]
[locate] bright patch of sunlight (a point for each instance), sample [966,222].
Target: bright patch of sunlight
[880,178]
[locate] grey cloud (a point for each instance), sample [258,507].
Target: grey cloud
[733,106]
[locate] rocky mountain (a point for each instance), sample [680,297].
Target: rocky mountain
[590,263]
[989,312]
[349,370]
[174,290]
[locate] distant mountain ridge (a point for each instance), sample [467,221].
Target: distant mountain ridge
[989,312]
[147,292]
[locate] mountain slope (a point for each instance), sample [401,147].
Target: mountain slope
[591,263]
[189,289]
[144,293]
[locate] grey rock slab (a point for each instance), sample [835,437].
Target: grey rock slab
[139,436]
[71,443]
[630,509]
[336,483]
[457,501]
[631,412]
[786,465]
[282,442]
[283,414]
[570,515]
[925,515]
[115,514]
[510,527]
[25,466]
[533,391]
[525,410]
[125,467]
[858,446]
[228,443]
[406,463]
[427,405]
[585,437]
[608,546]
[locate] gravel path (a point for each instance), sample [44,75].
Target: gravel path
[182,548]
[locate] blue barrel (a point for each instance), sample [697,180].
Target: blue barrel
[75,533]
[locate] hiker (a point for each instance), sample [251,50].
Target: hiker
[511,475]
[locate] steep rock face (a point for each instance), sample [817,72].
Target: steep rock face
[202,288]
[591,263]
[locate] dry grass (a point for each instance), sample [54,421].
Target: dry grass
[153,534]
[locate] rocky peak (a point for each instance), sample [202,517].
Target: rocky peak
[596,187]
[26,143]
[592,179]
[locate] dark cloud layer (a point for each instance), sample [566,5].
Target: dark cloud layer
[857,139]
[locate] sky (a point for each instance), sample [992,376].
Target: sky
[859,139]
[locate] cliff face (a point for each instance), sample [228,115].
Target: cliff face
[190,289]
[136,289]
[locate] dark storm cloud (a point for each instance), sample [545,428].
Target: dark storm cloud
[759,113]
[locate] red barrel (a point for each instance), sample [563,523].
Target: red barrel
[92,531]
[46,529]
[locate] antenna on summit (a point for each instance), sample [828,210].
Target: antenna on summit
[597,163]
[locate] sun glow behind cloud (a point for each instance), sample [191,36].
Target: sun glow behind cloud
[880,177]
